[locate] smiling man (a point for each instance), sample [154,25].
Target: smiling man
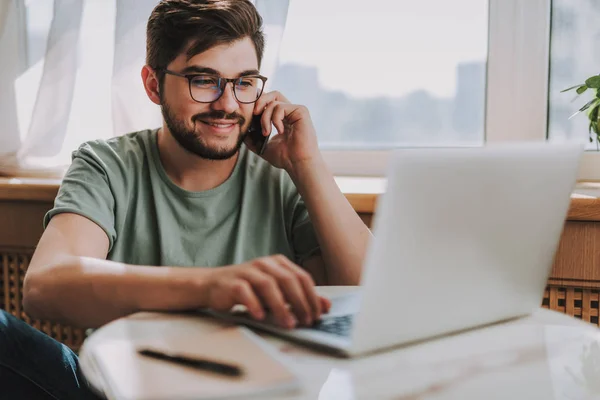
[188,215]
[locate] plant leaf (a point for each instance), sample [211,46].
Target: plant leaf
[571,88]
[588,105]
[593,112]
[585,107]
[593,82]
[581,89]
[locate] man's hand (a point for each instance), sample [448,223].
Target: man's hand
[296,142]
[267,283]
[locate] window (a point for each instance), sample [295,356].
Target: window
[388,74]
[574,56]
[393,73]
[429,73]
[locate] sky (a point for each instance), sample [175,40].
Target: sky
[404,45]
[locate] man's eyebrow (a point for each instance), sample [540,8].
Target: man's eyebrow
[249,72]
[196,69]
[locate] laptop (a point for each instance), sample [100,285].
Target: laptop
[463,237]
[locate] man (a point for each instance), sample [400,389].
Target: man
[188,197]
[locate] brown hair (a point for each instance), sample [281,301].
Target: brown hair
[198,25]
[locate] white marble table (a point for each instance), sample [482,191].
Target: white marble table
[545,356]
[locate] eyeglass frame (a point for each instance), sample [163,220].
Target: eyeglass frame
[223,86]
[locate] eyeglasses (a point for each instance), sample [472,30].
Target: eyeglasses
[207,88]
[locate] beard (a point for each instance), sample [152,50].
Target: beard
[187,138]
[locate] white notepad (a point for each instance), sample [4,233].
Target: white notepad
[129,375]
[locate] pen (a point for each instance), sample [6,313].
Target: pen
[199,363]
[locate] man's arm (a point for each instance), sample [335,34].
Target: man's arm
[342,235]
[69,280]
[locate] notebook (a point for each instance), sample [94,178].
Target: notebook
[129,375]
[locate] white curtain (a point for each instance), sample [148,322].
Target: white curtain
[4,7]
[132,111]
[88,85]
[10,140]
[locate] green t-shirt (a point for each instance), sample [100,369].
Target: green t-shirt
[121,185]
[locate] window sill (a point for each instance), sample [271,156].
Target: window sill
[28,189]
[361,192]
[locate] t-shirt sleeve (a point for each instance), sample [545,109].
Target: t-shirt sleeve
[85,190]
[304,237]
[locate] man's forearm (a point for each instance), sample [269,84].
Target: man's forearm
[89,292]
[343,236]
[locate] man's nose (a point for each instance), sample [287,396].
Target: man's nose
[227,102]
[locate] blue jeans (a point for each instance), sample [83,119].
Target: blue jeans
[35,366]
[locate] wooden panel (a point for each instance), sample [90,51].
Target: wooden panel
[586,306]
[21,223]
[362,203]
[574,301]
[570,301]
[28,189]
[584,209]
[13,266]
[367,218]
[553,298]
[578,253]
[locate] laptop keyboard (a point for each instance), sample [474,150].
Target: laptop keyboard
[340,325]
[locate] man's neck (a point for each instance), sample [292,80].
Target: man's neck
[189,171]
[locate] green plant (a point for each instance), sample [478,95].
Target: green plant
[592,107]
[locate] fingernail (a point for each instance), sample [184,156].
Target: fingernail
[291,321]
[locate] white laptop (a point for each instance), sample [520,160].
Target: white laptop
[463,237]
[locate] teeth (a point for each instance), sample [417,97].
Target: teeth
[221,125]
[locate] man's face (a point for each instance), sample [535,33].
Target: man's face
[210,130]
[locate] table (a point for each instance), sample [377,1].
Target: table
[547,355]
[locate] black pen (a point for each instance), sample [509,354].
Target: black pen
[200,363]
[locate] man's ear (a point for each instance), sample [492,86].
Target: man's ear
[151,85]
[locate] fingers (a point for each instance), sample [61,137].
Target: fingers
[308,286]
[292,287]
[278,281]
[270,283]
[325,304]
[278,117]
[267,98]
[273,115]
[265,120]
[267,288]
[280,114]
[243,294]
